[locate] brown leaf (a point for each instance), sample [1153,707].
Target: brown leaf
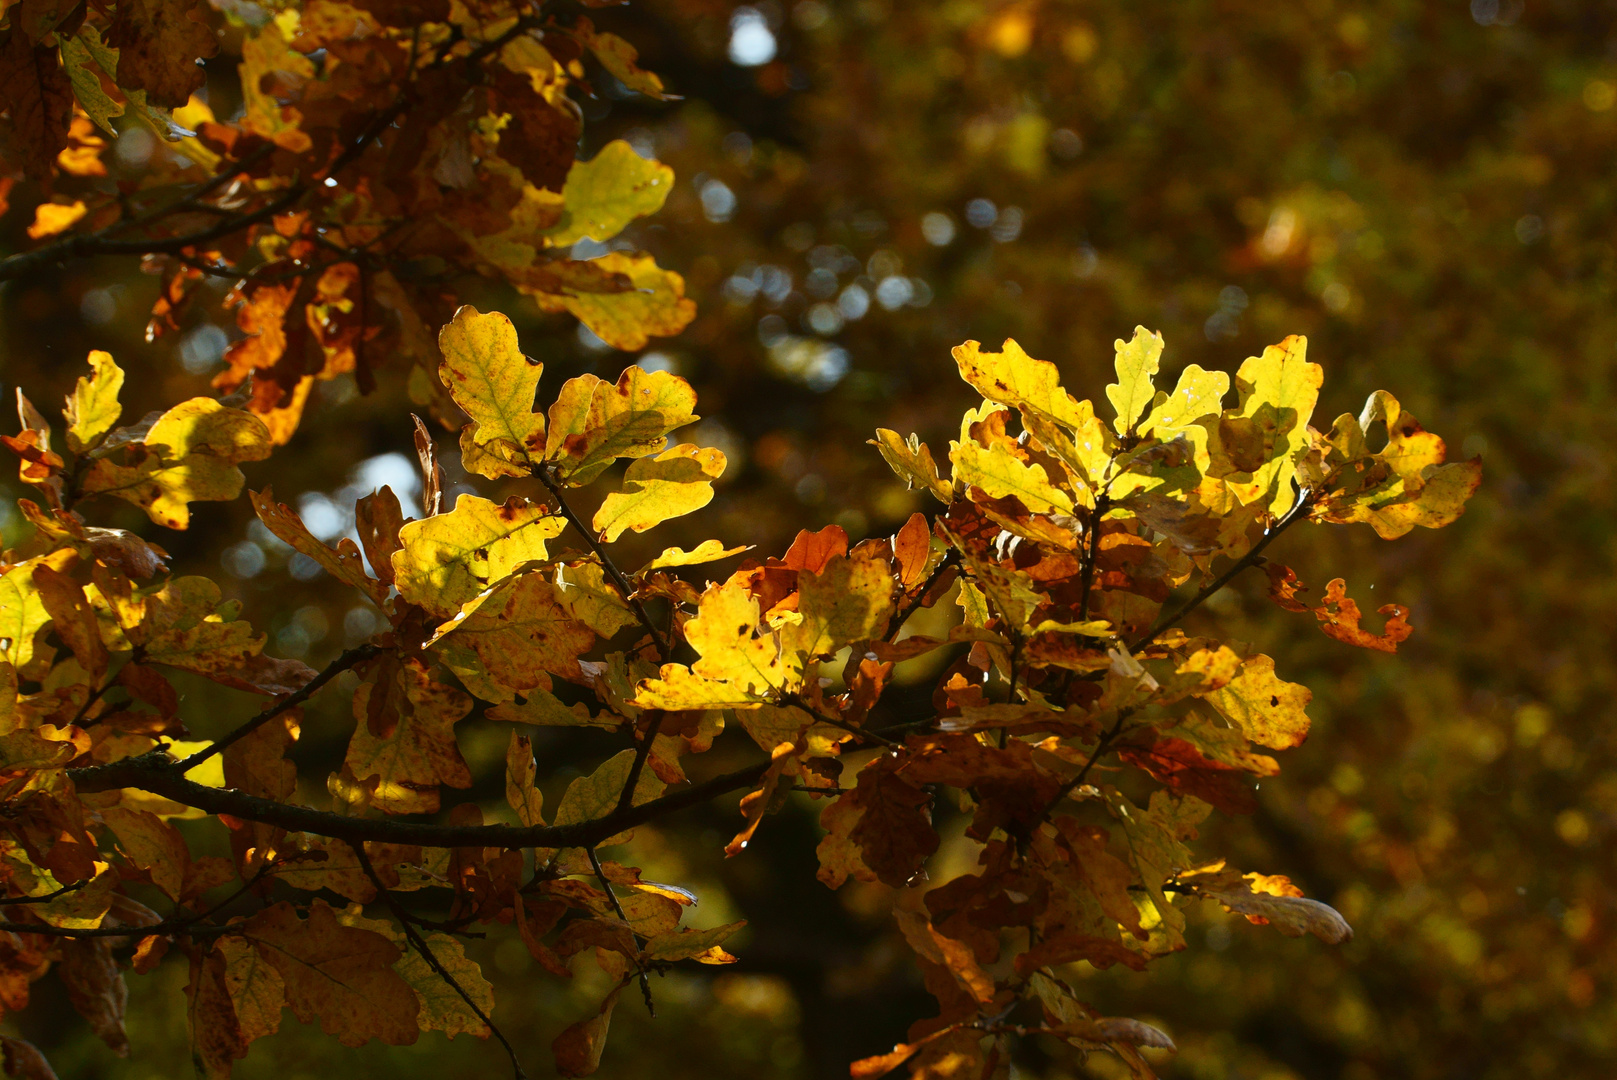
[894,833]
[379,519]
[1339,618]
[96,988]
[159,43]
[73,619]
[24,1061]
[1182,768]
[1284,587]
[578,1049]
[341,976]
[37,92]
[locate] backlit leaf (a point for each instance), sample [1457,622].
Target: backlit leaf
[1136,364]
[495,384]
[448,559]
[655,489]
[607,192]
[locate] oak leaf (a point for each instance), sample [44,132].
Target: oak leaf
[338,975]
[190,454]
[448,559]
[490,378]
[674,483]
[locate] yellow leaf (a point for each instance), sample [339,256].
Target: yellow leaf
[1408,483]
[655,307]
[592,598]
[268,59]
[1277,391]
[912,461]
[998,472]
[520,793]
[448,559]
[607,192]
[705,552]
[1136,362]
[672,484]
[22,613]
[849,600]
[1265,708]
[593,422]
[189,455]
[1198,396]
[592,797]
[520,630]
[1014,378]
[495,384]
[739,664]
[416,751]
[52,218]
[93,406]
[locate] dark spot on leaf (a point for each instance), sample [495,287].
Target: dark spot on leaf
[1274,701]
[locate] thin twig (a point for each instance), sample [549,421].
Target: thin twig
[949,559]
[837,722]
[617,906]
[46,897]
[1305,500]
[664,652]
[358,654]
[420,945]
[548,478]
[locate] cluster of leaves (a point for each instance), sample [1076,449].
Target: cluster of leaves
[385,151]
[1082,733]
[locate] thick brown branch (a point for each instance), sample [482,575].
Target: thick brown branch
[156,772]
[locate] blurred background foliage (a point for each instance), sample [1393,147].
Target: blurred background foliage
[1421,188]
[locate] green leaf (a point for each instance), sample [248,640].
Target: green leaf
[607,192]
[674,483]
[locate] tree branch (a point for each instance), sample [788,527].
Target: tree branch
[1305,500]
[356,655]
[420,945]
[156,772]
